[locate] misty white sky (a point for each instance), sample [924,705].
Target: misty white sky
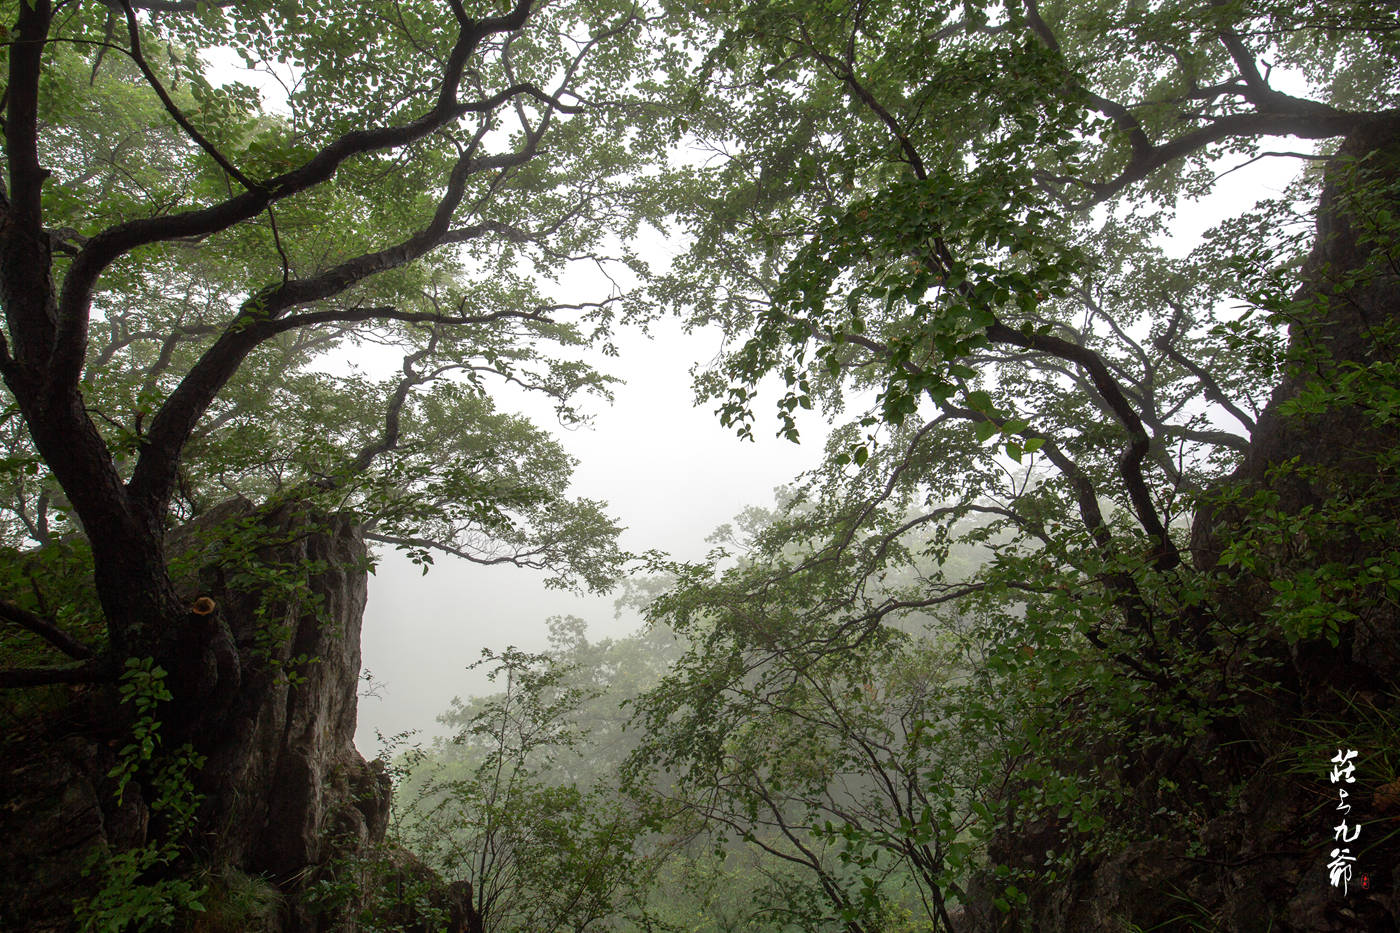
[669,472]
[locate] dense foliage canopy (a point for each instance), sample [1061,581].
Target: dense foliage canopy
[184,260]
[964,212]
[1104,540]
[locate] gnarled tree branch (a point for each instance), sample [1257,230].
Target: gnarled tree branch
[46,630]
[90,673]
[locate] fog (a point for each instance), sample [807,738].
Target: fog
[669,473]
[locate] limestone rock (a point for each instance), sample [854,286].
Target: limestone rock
[284,790]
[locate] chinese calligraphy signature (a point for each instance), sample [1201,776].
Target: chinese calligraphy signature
[1343,771]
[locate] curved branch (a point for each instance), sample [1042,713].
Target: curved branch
[105,355]
[1209,386]
[154,475]
[530,559]
[1203,436]
[133,31]
[1130,463]
[46,630]
[1086,497]
[1276,114]
[90,673]
[388,313]
[845,72]
[105,247]
[390,438]
[1285,120]
[1121,116]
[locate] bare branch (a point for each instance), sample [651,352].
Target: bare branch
[133,31]
[532,559]
[90,673]
[46,630]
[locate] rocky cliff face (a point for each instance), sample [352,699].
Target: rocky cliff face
[284,792]
[1260,862]
[283,776]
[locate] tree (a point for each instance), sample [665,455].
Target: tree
[187,275]
[931,213]
[955,208]
[838,768]
[523,803]
[178,261]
